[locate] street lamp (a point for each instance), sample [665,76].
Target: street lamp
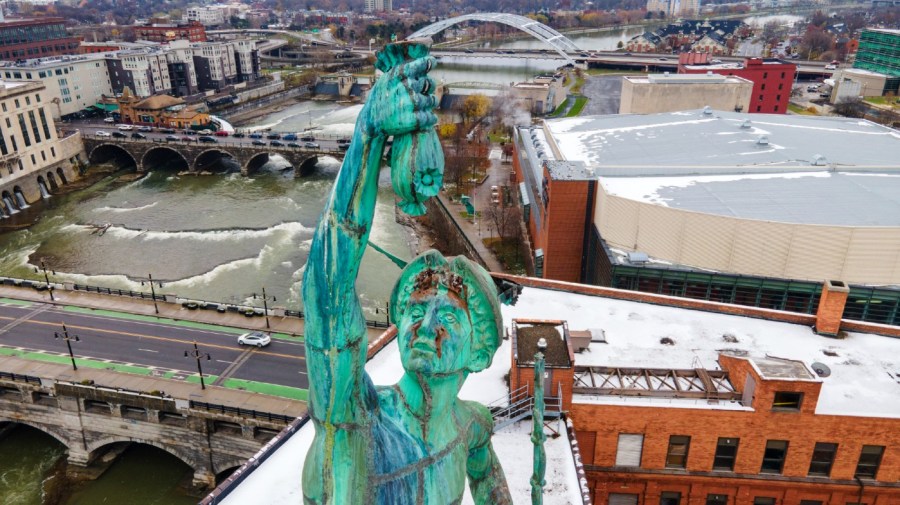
[68,338]
[153,291]
[265,300]
[537,430]
[46,278]
[196,354]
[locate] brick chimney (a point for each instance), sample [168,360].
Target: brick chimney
[831,307]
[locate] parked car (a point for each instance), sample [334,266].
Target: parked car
[289,136]
[812,88]
[101,133]
[207,139]
[145,128]
[167,130]
[343,141]
[293,144]
[171,138]
[276,143]
[238,135]
[258,142]
[221,133]
[109,120]
[255,135]
[308,138]
[257,338]
[119,135]
[273,136]
[137,135]
[469,51]
[311,145]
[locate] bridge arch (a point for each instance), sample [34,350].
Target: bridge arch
[254,163]
[538,30]
[106,152]
[59,436]
[155,153]
[95,448]
[208,155]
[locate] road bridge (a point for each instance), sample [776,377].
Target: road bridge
[196,155]
[95,414]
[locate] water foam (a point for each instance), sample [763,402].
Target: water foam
[125,209]
[289,229]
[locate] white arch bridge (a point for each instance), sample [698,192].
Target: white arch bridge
[540,31]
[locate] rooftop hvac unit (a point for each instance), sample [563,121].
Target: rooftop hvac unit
[638,258]
[746,124]
[819,161]
[763,140]
[707,111]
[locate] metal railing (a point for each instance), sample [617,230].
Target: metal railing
[30,379]
[118,292]
[237,411]
[519,405]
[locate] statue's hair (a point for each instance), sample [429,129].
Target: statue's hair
[471,282]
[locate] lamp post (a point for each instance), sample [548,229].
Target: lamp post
[265,300]
[537,430]
[153,291]
[46,278]
[68,339]
[196,354]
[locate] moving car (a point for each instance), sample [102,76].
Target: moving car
[311,145]
[171,138]
[189,132]
[293,144]
[167,130]
[221,133]
[145,128]
[308,138]
[125,127]
[137,135]
[101,133]
[257,338]
[255,135]
[207,139]
[289,136]
[276,143]
[109,120]
[119,135]
[257,142]
[238,135]
[205,132]
[187,139]
[831,66]
[469,51]
[273,136]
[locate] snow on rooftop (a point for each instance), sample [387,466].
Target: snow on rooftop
[865,378]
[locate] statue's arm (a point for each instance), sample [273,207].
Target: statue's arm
[486,480]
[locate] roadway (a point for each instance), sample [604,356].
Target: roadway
[145,343]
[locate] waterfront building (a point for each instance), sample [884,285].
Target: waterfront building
[772,80]
[34,160]
[35,38]
[72,83]
[753,209]
[672,92]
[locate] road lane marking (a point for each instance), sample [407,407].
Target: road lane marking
[152,337]
[147,350]
[223,361]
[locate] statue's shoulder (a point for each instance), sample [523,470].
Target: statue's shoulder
[482,422]
[388,399]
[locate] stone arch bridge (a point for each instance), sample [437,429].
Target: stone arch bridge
[94,422]
[196,155]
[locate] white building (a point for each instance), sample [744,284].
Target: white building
[379,6]
[215,64]
[212,15]
[145,72]
[74,82]
[33,160]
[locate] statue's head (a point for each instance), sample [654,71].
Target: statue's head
[447,314]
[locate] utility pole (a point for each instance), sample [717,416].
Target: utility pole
[46,278]
[265,300]
[68,339]
[196,354]
[153,291]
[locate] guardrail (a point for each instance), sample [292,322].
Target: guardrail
[237,411]
[30,379]
[119,292]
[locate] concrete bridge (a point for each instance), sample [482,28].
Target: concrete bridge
[213,431]
[196,155]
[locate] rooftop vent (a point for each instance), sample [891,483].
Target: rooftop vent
[821,369]
[666,74]
[638,258]
[746,124]
[707,111]
[763,140]
[819,160]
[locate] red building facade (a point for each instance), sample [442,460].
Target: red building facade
[772,81]
[22,39]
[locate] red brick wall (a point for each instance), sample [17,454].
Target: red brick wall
[771,90]
[563,230]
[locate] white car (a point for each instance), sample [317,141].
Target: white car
[830,67]
[205,132]
[109,120]
[125,127]
[101,133]
[257,338]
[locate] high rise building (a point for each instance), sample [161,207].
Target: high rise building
[379,6]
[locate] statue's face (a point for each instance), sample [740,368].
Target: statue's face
[435,333]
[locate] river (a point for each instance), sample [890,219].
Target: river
[220,237]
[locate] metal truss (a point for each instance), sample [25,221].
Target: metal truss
[540,31]
[667,383]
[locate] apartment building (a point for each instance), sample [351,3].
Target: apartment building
[73,83]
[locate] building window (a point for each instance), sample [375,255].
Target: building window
[677,455]
[27,100]
[776,108]
[726,451]
[787,400]
[623,499]
[869,460]
[24,130]
[822,459]
[780,87]
[4,107]
[810,502]
[33,161]
[777,98]
[760,98]
[773,458]
[782,75]
[717,499]
[765,75]
[670,498]
[763,500]
[763,87]
[628,451]
[53,152]
[17,103]
[43,156]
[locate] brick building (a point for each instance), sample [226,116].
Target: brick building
[22,39]
[772,80]
[192,31]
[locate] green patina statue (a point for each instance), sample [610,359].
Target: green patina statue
[414,442]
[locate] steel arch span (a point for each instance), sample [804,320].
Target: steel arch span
[540,31]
